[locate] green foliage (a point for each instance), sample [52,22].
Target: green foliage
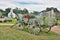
[17,11]
[55,9]
[58,22]
[25,11]
[35,12]
[7,11]
[3,12]
[49,21]
[32,16]
[14,20]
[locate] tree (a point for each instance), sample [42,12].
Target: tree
[17,11]
[48,9]
[55,9]
[7,11]
[3,12]
[25,11]
[35,12]
[32,16]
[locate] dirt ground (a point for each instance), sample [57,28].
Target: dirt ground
[56,29]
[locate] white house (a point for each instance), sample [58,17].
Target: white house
[11,14]
[50,14]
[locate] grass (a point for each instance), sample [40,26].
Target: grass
[58,22]
[7,33]
[6,23]
[12,22]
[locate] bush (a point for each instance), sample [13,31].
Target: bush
[14,20]
[58,22]
[49,21]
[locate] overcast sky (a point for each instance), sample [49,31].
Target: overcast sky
[31,5]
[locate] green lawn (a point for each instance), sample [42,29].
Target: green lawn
[58,21]
[7,33]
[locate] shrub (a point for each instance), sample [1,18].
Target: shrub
[14,20]
[49,21]
[58,22]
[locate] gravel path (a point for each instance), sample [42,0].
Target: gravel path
[56,29]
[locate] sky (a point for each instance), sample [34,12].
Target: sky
[31,5]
